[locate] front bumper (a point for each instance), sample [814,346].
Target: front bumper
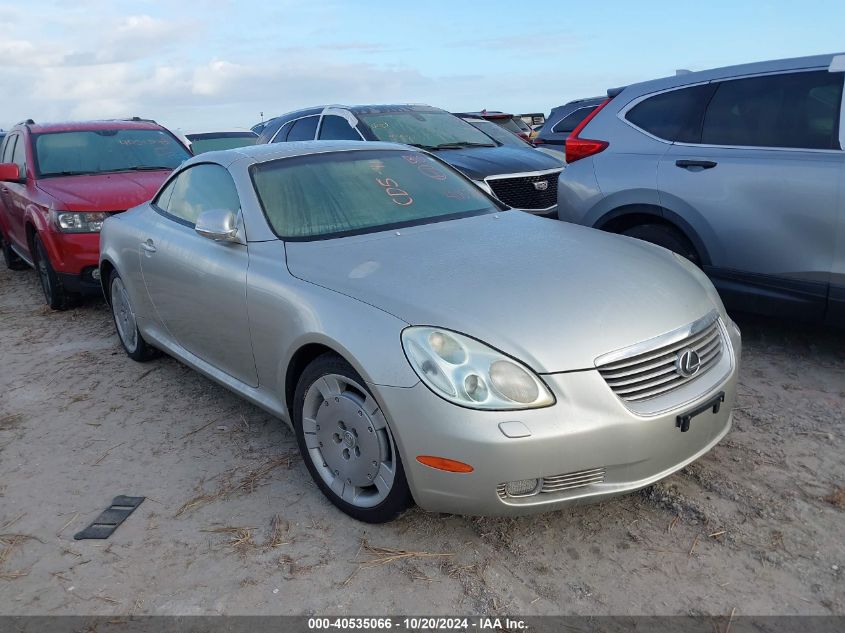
[72,253]
[588,429]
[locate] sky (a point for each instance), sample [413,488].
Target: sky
[215,64]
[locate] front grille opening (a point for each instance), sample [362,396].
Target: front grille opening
[519,192]
[655,372]
[554,484]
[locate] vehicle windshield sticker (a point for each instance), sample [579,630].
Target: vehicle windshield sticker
[425,168]
[399,196]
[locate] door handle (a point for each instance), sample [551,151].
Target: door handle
[704,164]
[4,190]
[149,246]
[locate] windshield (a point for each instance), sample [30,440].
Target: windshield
[213,141]
[101,151]
[429,129]
[497,133]
[343,193]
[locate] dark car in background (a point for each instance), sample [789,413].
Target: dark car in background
[510,122]
[58,184]
[520,177]
[211,141]
[563,119]
[498,133]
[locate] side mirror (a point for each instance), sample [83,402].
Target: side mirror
[219,225]
[9,172]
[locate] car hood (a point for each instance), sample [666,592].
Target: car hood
[103,192]
[552,294]
[480,162]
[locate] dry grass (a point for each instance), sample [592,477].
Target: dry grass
[241,539]
[10,421]
[8,544]
[836,498]
[246,484]
[278,528]
[386,555]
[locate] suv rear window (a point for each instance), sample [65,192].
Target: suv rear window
[673,116]
[100,151]
[799,110]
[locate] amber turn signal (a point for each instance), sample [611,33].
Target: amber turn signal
[441,463]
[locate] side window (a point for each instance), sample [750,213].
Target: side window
[163,199]
[19,155]
[282,135]
[304,129]
[572,120]
[799,110]
[336,128]
[9,148]
[197,189]
[673,116]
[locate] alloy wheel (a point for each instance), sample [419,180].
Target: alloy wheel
[348,441]
[124,317]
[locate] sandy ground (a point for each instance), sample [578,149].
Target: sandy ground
[232,523]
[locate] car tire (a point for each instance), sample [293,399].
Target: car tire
[666,236]
[51,285]
[124,322]
[346,442]
[10,257]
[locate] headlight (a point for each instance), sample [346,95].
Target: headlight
[79,221]
[471,374]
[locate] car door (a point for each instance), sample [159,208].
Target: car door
[15,194]
[198,285]
[762,183]
[6,151]
[836,301]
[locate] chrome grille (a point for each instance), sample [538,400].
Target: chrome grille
[654,372]
[519,191]
[561,483]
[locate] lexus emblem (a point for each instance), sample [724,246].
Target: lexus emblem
[688,363]
[541,185]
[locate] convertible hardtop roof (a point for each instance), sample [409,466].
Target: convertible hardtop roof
[274,151]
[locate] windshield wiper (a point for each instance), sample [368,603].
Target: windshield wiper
[458,145]
[144,168]
[462,145]
[67,172]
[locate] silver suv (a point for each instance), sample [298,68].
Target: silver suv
[739,169]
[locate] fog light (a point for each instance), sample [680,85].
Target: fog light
[95,274]
[522,488]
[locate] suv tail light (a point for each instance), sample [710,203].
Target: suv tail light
[578,148]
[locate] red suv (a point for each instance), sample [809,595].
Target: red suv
[59,181]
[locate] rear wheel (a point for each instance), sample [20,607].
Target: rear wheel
[347,443]
[10,257]
[124,320]
[666,236]
[51,285]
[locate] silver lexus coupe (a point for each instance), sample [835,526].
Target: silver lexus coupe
[425,343]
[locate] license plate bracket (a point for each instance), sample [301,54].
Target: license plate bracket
[714,404]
